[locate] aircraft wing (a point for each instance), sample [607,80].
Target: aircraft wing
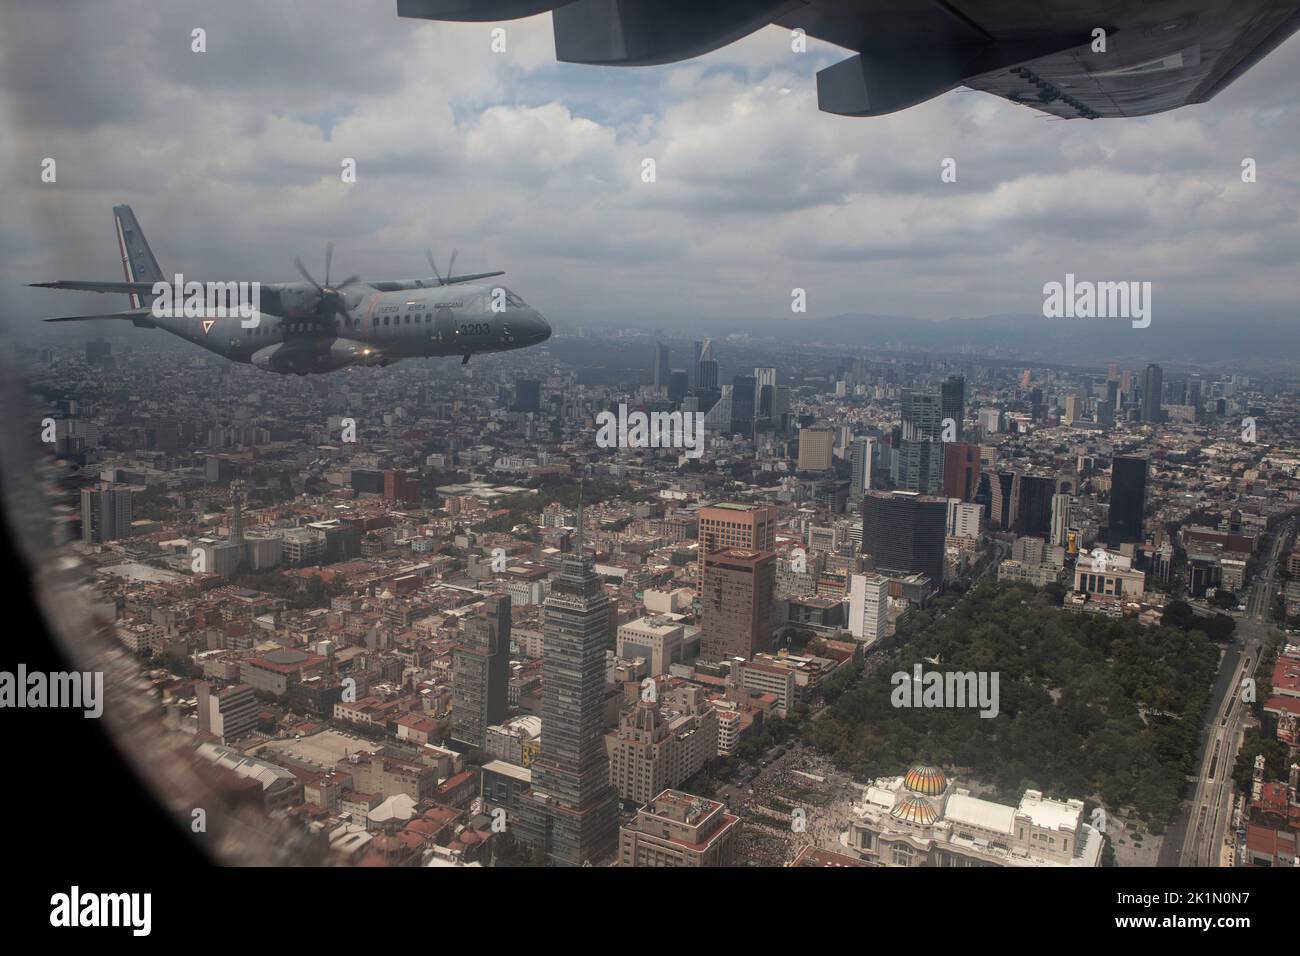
[397,285]
[1158,55]
[1148,75]
[125,288]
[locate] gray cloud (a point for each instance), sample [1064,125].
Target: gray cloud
[232,157]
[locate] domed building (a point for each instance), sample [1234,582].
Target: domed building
[920,800]
[925,780]
[923,819]
[914,810]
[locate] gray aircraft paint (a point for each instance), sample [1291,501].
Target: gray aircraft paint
[1159,55]
[377,322]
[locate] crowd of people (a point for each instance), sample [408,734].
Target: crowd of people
[775,839]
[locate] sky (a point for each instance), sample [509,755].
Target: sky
[231,159]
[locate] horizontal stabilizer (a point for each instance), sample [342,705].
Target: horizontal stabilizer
[77,285]
[132,314]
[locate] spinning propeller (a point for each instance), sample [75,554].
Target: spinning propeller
[331,297]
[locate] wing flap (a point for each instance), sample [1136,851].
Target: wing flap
[1151,67]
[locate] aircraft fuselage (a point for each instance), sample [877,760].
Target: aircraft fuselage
[378,328]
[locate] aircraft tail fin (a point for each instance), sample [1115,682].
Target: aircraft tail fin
[138,261]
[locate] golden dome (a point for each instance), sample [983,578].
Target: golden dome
[912,809]
[927,780]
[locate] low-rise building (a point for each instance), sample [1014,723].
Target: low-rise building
[922,819]
[678,829]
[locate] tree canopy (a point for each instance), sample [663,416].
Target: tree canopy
[1089,707]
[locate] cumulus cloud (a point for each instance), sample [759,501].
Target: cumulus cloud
[231,159]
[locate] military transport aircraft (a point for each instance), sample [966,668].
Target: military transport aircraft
[305,327]
[1071,58]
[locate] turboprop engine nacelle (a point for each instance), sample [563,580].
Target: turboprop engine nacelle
[304,358]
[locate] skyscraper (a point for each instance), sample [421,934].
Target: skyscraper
[1032,505]
[678,385]
[781,409]
[528,395]
[816,446]
[868,607]
[237,499]
[953,393]
[1073,409]
[731,525]
[716,405]
[661,369]
[919,463]
[1152,388]
[1062,518]
[481,672]
[862,452]
[1128,495]
[736,618]
[1105,413]
[764,389]
[1002,514]
[706,366]
[904,532]
[743,388]
[105,513]
[961,470]
[570,815]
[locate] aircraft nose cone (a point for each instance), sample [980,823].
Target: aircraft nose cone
[539,327]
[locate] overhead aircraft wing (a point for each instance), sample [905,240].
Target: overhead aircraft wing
[1185,60]
[76,285]
[398,285]
[1158,55]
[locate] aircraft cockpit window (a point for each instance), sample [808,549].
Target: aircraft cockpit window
[514,300]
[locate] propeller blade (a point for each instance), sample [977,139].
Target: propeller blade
[329,257]
[451,266]
[347,282]
[428,254]
[307,275]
